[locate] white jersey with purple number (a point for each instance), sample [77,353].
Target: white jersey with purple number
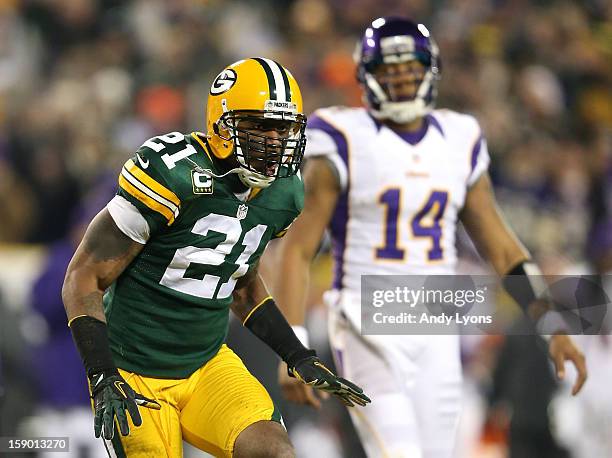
[397,214]
[401,193]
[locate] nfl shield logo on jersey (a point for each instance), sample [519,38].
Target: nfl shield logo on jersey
[242,211]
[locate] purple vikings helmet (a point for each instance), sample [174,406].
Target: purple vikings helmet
[393,40]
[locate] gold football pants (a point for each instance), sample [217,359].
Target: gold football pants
[208,410]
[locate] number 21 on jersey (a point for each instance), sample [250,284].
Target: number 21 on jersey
[426,222]
[210,287]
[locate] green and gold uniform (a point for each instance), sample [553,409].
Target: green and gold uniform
[168,312]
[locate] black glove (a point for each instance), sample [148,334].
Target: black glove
[313,372]
[112,397]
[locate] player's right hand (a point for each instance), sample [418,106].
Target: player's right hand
[112,398]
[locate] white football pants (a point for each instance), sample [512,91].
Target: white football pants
[415,386]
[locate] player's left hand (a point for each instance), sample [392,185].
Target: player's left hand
[313,372]
[561,348]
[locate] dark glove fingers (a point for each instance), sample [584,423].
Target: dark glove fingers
[359,395]
[350,385]
[345,400]
[132,408]
[358,399]
[340,393]
[108,422]
[321,378]
[365,398]
[98,422]
[355,391]
[122,420]
[143,401]
[353,397]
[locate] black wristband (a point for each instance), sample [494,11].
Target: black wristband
[268,323]
[91,338]
[524,283]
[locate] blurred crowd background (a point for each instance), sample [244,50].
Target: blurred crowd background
[83,83]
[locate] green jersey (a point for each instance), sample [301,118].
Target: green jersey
[168,312]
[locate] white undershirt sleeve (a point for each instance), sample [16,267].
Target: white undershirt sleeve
[129,220]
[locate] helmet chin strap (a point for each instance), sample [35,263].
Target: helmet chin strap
[401,112]
[253,179]
[248,178]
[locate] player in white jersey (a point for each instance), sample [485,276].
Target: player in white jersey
[391,181]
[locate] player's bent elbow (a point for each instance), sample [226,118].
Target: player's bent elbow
[79,283]
[69,288]
[70,279]
[68,295]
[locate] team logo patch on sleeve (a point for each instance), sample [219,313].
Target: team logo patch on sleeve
[202,183]
[223,82]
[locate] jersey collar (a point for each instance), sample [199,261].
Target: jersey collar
[203,144]
[415,137]
[412,137]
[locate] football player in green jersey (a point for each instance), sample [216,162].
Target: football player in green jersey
[149,289]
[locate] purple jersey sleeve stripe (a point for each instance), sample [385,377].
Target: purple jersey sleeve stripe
[475,153]
[339,219]
[316,122]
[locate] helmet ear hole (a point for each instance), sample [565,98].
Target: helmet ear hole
[220,131]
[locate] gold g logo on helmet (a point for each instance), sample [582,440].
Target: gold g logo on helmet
[257,92]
